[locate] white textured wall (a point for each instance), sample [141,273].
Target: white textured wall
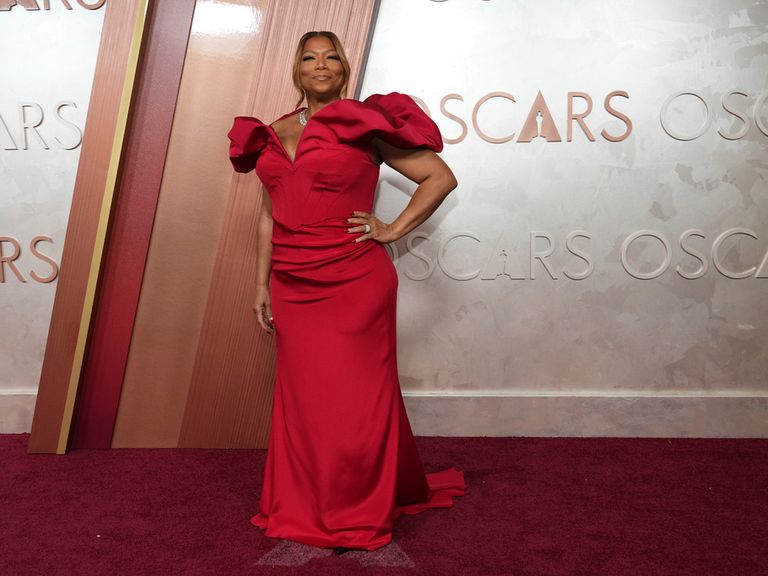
[525,334]
[513,350]
[48,58]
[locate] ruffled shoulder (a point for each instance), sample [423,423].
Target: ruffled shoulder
[247,138]
[393,117]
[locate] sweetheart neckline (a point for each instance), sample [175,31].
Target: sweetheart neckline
[292,160]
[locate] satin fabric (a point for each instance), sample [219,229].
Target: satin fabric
[342,462]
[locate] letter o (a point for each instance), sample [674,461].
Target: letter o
[95,6]
[647,275]
[704,126]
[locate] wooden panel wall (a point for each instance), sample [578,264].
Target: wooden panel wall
[147,139]
[221,59]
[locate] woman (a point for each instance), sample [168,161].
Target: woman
[342,463]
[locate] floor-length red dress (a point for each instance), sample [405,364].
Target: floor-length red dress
[342,463]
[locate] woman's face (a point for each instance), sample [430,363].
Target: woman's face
[321,71]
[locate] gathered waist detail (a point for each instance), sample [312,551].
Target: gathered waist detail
[316,245]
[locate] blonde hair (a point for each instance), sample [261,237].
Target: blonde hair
[300,50]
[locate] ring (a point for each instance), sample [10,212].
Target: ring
[367,228]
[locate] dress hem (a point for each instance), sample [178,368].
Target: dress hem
[443,486]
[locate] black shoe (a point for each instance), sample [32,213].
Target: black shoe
[341,550]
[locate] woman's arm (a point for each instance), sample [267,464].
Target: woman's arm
[261,304]
[435,181]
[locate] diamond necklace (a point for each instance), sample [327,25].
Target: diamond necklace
[303,117]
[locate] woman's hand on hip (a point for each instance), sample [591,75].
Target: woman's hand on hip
[371,228]
[263,309]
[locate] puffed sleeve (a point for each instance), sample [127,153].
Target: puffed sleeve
[393,117]
[247,138]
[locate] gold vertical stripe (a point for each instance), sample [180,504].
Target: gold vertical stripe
[101,232]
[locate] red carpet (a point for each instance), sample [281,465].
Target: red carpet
[534,507]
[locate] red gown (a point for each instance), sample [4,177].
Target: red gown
[342,463]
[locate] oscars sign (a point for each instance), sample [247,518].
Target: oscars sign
[40,133]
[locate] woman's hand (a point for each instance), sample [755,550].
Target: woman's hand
[377,229]
[263,310]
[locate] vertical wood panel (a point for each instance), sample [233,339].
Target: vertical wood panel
[71,314]
[221,59]
[137,194]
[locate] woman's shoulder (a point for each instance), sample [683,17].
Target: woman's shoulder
[378,102]
[393,117]
[390,100]
[247,137]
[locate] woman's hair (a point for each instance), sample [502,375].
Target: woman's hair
[300,50]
